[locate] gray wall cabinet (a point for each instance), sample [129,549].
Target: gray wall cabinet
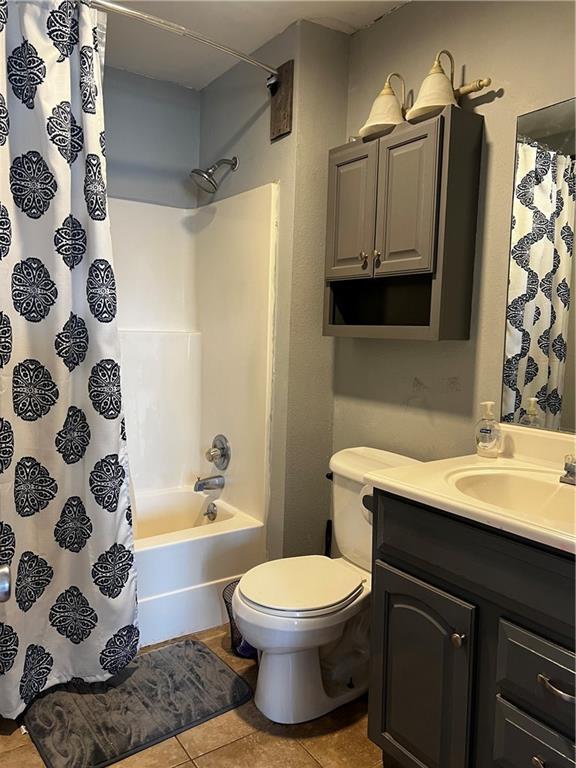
[472,644]
[401,231]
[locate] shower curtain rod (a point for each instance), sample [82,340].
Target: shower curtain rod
[177,29]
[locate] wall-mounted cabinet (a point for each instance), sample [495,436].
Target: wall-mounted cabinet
[401,231]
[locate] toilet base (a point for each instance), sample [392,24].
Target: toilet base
[290,688]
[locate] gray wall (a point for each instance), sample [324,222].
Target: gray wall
[421,398]
[153,139]
[321,99]
[235,120]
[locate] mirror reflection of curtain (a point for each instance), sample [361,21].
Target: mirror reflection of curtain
[539,291]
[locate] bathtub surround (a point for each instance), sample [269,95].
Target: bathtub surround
[202,343]
[64,480]
[160,340]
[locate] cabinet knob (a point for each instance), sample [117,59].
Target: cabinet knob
[457,640]
[537,762]
[377,258]
[363,257]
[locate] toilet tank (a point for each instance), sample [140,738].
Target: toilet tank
[352,522]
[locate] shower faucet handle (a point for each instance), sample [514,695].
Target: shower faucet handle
[219,454]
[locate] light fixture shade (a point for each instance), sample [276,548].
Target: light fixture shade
[386,111]
[436,91]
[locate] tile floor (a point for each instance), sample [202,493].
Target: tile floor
[242,738]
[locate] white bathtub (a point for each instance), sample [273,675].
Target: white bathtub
[184,561]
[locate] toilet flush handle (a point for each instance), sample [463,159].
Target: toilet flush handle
[368,503]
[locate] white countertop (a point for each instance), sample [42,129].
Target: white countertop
[517,496]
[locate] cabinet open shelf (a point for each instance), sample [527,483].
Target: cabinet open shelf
[394,301]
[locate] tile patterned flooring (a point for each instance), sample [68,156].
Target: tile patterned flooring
[242,738]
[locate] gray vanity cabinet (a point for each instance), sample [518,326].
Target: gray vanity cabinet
[353,172]
[407,200]
[425,666]
[471,645]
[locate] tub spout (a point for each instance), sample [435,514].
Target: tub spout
[214,483]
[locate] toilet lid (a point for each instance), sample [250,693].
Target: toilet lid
[312,585]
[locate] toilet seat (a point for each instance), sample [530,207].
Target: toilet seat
[301,587]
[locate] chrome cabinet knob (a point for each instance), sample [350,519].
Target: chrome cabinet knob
[5,583]
[457,640]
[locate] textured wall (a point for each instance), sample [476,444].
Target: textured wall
[321,102]
[420,398]
[153,138]
[235,120]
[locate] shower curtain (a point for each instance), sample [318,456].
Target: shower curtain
[539,289]
[65,522]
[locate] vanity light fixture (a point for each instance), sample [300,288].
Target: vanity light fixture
[386,111]
[437,90]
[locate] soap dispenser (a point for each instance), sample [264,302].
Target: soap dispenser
[487,432]
[531,417]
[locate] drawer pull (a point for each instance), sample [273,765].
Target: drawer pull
[537,762]
[545,682]
[457,640]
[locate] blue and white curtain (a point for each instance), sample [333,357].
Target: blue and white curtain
[65,520]
[539,288]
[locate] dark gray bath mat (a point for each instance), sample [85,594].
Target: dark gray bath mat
[160,694]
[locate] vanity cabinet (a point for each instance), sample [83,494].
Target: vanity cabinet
[425,669]
[401,231]
[472,644]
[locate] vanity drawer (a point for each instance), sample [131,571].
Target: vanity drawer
[537,675]
[521,742]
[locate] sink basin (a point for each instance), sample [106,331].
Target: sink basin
[533,494]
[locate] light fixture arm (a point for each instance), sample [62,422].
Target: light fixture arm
[403,88]
[437,66]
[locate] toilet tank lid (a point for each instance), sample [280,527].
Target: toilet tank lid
[356,463]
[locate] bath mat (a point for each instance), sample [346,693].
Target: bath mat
[160,694]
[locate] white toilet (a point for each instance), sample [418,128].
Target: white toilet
[308,616]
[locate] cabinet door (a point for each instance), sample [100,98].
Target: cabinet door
[407,200]
[353,171]
[421,651]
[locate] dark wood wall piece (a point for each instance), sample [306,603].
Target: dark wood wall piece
[281,102]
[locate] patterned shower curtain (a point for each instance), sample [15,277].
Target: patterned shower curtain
[539,289]
[65,520]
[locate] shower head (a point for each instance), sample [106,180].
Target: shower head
[205,179]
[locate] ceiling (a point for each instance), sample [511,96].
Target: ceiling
[241,24]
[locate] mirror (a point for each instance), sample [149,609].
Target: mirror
[538,386]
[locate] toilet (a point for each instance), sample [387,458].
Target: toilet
[308,616]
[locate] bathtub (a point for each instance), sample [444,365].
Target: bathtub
[184,561]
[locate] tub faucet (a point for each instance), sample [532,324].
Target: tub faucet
[214,483]
[570,469]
